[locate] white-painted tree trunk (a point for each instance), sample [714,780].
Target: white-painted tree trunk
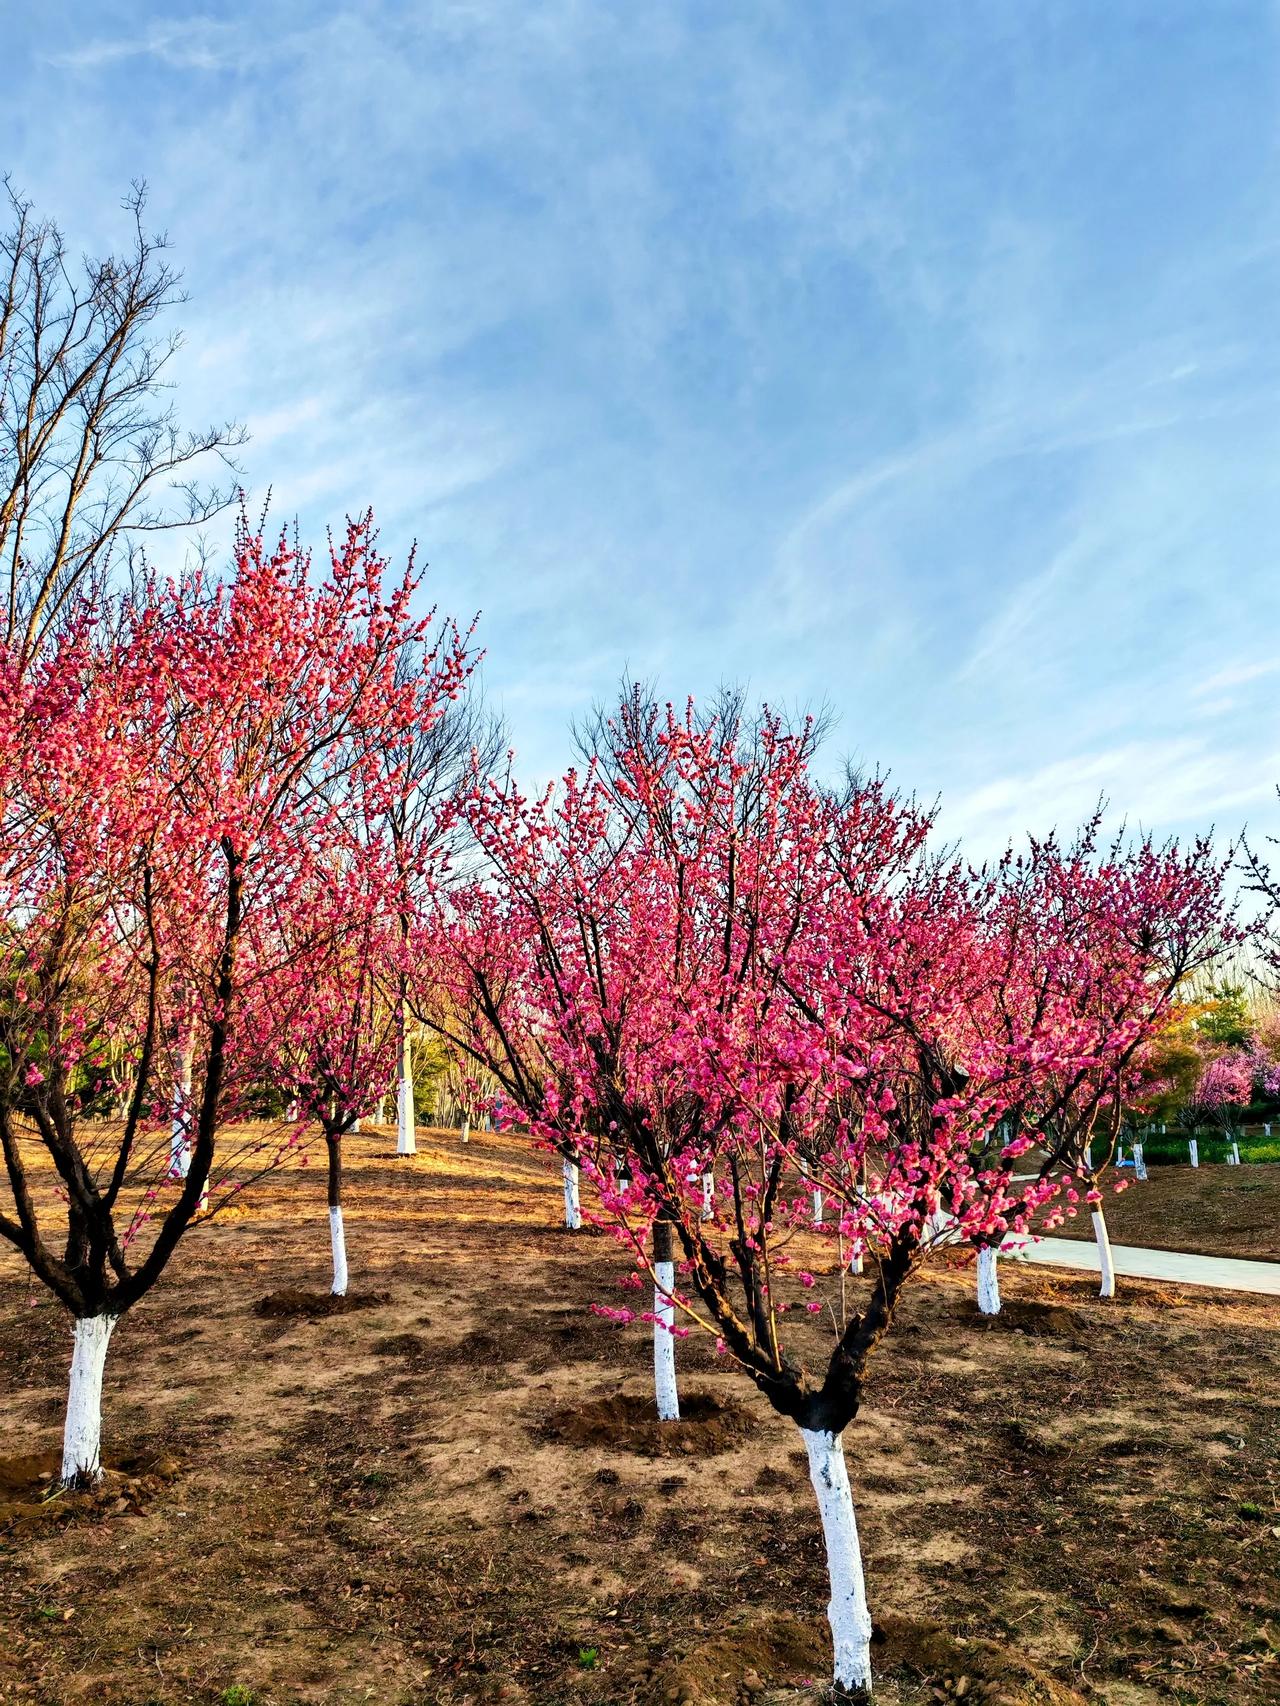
[572,1204]
[664,1343]
[1139,1165]
[180,1132]
[988,1280]
[855,1261]
[338,1241]
[708,1195]
[354,1127]
[1235,1153]
[382,1110]
[1108,1287]
[466,1128]
[1194,1149]
[847,1611]
[82,1434]
[817,1208]
[406,1129]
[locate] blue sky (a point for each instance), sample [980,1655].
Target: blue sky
[919,357]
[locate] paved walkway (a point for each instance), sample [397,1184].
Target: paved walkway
[1226,1273]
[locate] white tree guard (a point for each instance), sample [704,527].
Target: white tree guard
[1235,1153]
[847,1611]
[180,1134]
[1194,1148]
[1106,1266]
[82,1434]
[572,1201]
[338,1241]
[855,1260]
[1139,1165]
[817,1208]
[664,1343]
[406,1129]
[988,1280]
[466,1128]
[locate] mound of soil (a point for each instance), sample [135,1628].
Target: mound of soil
[743,1665]
[30,1494]
[292,1301]
[628,1422]
[1045,1320]
[994,1674]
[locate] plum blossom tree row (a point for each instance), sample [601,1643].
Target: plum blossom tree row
[195,857]
[719,986]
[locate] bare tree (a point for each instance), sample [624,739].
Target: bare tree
[91,454]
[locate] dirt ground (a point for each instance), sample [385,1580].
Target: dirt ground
[455,1494]
[1211,1211]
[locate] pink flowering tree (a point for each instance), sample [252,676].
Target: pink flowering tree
[732,970]
[1224,1087]
[327,1000]
[174,774]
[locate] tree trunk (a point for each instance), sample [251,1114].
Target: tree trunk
[847,1610]
[466,1128]
[708,1195]
[82,1434]
[1139,1165]
[1194,1149]
[572,1205]
[988,1281]
[664,1342]
[855,1260]
[337,1233]
[817,1208]
[1108,1287]
[406,1130]
[180,1134]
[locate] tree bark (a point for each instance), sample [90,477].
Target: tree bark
[664,1343]
[337,1232]
[988,1280]
[82,1433]
[572,1202]
[1108,1286]
[406,1129]
[847,1610]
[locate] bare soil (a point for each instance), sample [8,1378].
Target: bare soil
[1209,1211]
[447,1496]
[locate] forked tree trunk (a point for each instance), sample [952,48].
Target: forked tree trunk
[337,1232]
[406,1129]
[572,1201]
[82,1433]
[664,1341]
[1108,1286]
[847,1610]
[988,1280]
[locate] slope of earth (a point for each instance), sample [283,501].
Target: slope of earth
[1210,1211]
[422,1503]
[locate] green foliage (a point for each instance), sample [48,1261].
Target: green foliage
[588,1658]
[238,1695]
[1224,1022]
